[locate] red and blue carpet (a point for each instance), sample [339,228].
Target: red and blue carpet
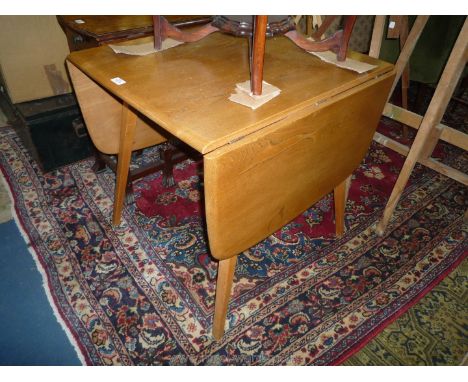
[143,293]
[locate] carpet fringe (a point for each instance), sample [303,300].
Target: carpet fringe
[40,269]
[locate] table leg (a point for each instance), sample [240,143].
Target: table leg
[127,132]
[226,270]
[340,194]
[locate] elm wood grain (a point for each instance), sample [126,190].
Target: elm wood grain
[207,71]
[98,30]
[313,135]
[102,113]
[295,162]
[260,29]
[428,134]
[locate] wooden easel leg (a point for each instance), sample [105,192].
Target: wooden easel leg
[408,48]
[377,33]
[426,137]
[340,194]
[258,54]
[405,77]
[127,132]
[226,270]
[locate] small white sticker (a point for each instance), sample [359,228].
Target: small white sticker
[118,81]
[391,25]
[79,21]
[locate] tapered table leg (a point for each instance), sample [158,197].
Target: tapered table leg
[127,133]
[226,270]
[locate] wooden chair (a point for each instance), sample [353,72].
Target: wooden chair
[258,30]
[262,27]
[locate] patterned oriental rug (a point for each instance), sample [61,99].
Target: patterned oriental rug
[433,332]
[143,293]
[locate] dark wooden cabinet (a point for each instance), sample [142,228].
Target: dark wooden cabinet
[53,131]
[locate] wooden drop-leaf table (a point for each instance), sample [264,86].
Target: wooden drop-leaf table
[262,167]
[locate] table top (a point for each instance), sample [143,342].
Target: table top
[99,26]
[186,89]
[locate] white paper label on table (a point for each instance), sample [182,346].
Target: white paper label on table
[118,81]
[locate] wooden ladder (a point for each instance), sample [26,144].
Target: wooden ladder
[430,130]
